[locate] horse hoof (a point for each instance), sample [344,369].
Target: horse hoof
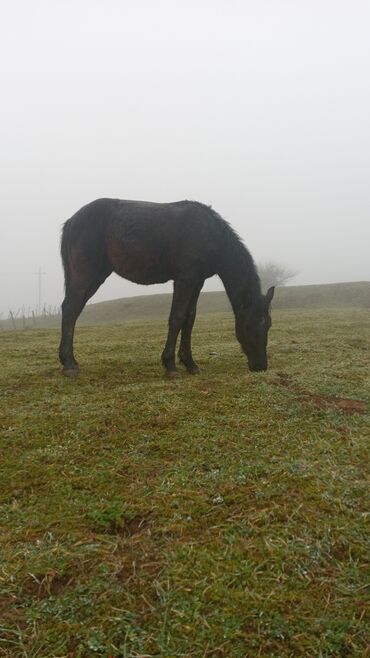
[70,372]
[194,371]
[173,374]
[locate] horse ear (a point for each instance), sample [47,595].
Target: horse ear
[270,294]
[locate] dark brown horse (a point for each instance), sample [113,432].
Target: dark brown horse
[186,242]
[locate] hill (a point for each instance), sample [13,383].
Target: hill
[149,306]
[146,307]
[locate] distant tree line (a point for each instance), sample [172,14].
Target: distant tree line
[274,274]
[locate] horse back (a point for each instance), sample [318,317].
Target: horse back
[150,242]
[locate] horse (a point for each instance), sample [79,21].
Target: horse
[144,242]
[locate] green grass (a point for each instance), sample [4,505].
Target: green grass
[224,515]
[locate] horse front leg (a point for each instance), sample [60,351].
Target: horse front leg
[185,353]
[182,296]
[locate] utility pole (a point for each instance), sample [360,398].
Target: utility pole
[39,274]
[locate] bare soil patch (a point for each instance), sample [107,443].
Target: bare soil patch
[347,405]
[10,613]
[50,584]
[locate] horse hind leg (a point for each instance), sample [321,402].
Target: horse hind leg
[75,299]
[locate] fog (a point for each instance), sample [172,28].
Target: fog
[259,108]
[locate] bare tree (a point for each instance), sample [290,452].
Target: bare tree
[274,274]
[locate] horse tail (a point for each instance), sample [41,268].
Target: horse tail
[65,250]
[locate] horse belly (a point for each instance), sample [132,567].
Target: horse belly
[139,265]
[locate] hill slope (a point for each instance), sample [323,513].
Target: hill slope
[149,306]
[146,307]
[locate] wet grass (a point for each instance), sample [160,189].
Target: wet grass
[224,515]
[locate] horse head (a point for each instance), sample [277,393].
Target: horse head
[253,322]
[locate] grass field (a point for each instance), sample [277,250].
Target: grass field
[224,515]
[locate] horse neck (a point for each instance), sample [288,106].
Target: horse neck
[239,276]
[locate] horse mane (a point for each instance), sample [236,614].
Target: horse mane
[238,272]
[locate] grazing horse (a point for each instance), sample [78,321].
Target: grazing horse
[186,242]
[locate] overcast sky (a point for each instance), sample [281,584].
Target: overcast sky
[258,107]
